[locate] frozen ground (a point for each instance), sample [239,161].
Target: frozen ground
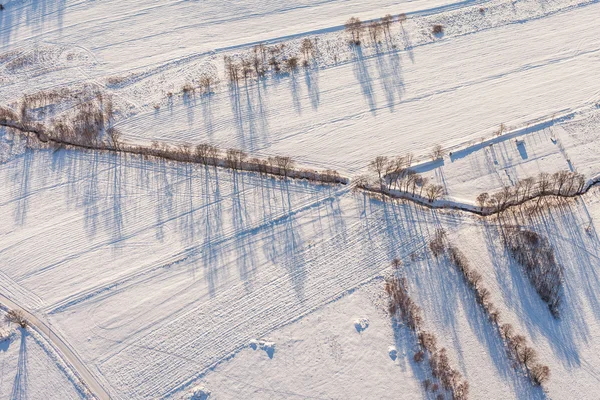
[29,369]
[167,279]
[163,296]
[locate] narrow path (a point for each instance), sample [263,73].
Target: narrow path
[66,352]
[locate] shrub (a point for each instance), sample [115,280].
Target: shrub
[438,29]
[535,254]
[16,317]
[540,374]
[419,356]
[437,245]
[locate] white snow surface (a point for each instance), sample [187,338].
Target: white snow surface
[180,281]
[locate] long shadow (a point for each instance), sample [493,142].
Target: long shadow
[37,16]
[389,69]
[241,220]
[189,100]
[212,227]
[404,338]
[311,78]
[250,114]
[21,179]
[206,101]
[363,76]
[407,44]
[295,90]
[19,390]
[488,336]
[522,298]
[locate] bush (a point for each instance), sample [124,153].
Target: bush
[438,29]
[16,317]
[535,254]
[419,356]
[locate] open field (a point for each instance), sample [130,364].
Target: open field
[151,278]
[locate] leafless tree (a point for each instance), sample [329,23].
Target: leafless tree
[374,31]
[378,166]
[291,63]
[528,356]
[355,27]
[233,70]
[205,153]
[437,152]
[482,199]
[115,137]
[235,158]
[307,48]
[386,22]
[285,164]
[540,374]
[402,18]
[434,192]
[16,317]
[507,331]
[207,82]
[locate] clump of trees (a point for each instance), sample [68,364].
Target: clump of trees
[16,317]
[257,62]
[545,185]
[515,344]
[396,174]
[405,310]
[355,27]
[535,254]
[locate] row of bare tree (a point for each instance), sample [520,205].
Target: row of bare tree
[561,183]
[86,125]
[515,344]
[376,28]
[402,307]
[262,59]
[396,174]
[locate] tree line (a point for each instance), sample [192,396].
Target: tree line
[517,349]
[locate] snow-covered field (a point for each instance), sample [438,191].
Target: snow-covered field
[171,280]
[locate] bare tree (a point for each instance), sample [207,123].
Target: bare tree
[526,185]
[233,70]
[374,31]
[544,184]
[434,192]
[528,356]
[207,82]
[115,137]
[386,22]
[291,63]
[307,48]
[482,200]
[437,152]
[507,331]
[205,153]
[540,374]
[285,164]
[378,166]
[401,18]
[355,27]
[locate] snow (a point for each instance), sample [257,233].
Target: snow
[30,369]
[182,281]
